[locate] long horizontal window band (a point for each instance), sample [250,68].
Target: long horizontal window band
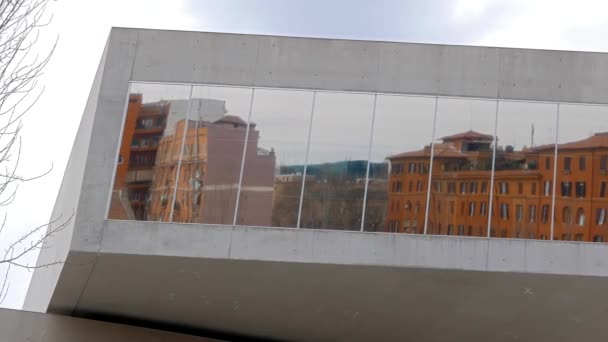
[297,158]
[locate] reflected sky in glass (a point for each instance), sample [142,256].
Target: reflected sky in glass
[283,119]
[578,122]
[341,127]
[462,115]
[402,124]
[526,124]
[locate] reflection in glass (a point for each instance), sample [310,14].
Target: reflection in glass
[275,158]
[403,130]
[462,164]
[524,154]
[148,159]
[214,137]
[581,174]
[181,158]
[337,161]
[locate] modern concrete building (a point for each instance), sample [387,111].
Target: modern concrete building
[319,102]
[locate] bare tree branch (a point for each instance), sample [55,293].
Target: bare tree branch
[36,243]
[21,66]
[5,285]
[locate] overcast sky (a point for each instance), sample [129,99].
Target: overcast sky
[83,27]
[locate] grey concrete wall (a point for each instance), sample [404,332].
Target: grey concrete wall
[242,280]
[105,139]
[303,246]
[305,285]
[331,64]
[354,248]
[24,326]
[290,301]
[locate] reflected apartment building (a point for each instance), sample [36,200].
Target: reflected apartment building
[210,144]
[142,131]
[523,189]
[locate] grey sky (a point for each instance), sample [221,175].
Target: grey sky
[412,20]
[83,27]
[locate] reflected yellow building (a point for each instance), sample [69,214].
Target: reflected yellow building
[207,178]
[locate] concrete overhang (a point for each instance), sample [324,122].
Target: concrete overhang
[22,326]
[303,284]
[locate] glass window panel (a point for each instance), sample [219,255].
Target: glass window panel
[403,130]
[148,159]
[276,154]
[213,150]
[582,143]
[337,161]
[526,140]
[462,155]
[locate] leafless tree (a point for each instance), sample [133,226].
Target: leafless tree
[21,22]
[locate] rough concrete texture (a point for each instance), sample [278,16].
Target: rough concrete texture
[24,326]
[306,285]
[335,302]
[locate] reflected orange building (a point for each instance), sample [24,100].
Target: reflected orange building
[157,134]
[523,189]
[142,132]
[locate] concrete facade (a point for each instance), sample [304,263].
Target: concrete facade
[37,327]
[131,269]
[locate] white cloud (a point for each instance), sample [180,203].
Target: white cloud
[466,9]
[553,24]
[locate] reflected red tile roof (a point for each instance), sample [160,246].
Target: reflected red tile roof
[598,140]
[441,151]
[469,135]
